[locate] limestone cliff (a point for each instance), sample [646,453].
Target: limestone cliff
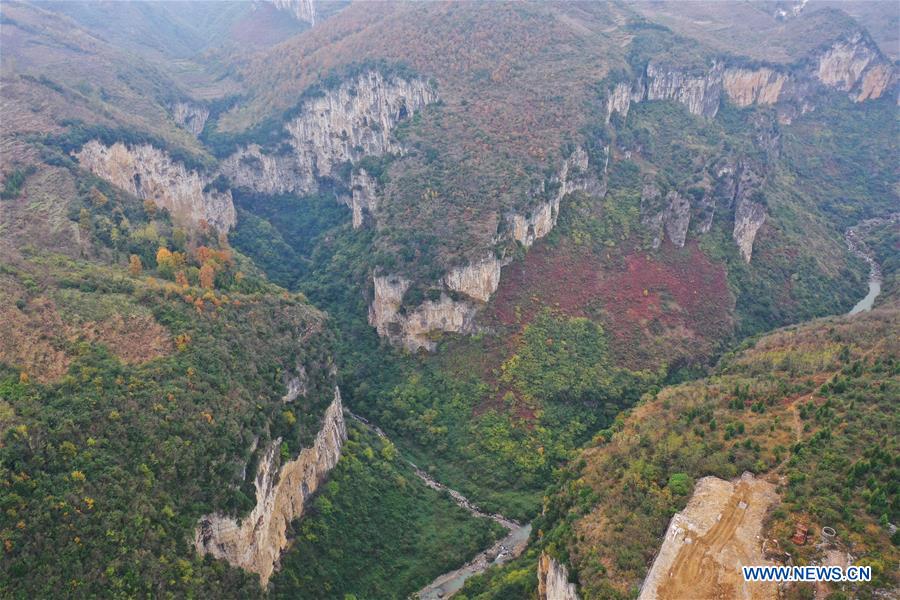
[746,87]
[749,212]
[302,10]
[477,280]
[341,125]
[553,580]
[699,92]
[364,198]
[413,328]
[255,542]
[190,116]
[852,64]
[151,174]
[843,64]
[670,214]
[573,175]
[271,174]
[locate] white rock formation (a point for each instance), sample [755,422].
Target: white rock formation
[364,197]
[746,87]
[748,218]
[270,174]
[341,125]
[553,580]
[302,10]
[190,116]
[700,92]
[151,174]
[255,542]
[573,175]
[413,329]
[477,280]
[853,64]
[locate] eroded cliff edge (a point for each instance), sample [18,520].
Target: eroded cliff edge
[255,542]
[464,289]
[553,580]
[151,174]
[852,64]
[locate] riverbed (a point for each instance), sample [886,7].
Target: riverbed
[859,247]
[506,549]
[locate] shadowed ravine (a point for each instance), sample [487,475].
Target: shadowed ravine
[500,552]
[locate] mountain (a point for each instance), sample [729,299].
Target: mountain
[317,299]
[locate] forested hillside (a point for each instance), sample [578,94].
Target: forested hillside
[568,258]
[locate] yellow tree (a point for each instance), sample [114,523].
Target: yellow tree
[134,265]
[207,275]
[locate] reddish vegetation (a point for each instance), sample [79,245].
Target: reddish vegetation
[656,308]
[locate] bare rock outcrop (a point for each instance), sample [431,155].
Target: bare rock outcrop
[415,327]
[302,10]
[341,125]
[191,117]
[699,92]
[574,174]
[151,174]
[412,328]
[852,64]
[553,580]
[255,542]
[746,87]
[749,210]
[670,214]
[271,174]
[364,198]
[477,280]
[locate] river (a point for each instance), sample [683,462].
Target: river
[500,552]
[859,247]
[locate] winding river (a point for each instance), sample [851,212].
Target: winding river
[505,549]
[858,247]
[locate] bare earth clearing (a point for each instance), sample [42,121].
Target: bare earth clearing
[706,544]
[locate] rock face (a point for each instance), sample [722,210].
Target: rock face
[841,66]
[411,329]
[255,543]
[573,175]
[269,174]
[151,174]
[746,87]
[364,198]
[190,116]
[699,92]
[341,125]
[478,280]
[553,580]
[303,10]
[852,64]
[670,214]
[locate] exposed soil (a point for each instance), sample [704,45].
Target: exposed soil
[710,540]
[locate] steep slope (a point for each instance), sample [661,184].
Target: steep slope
[437,252]
[809,409]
